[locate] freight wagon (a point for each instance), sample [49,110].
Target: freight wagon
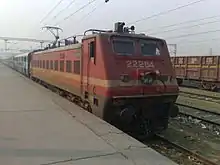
[198,71]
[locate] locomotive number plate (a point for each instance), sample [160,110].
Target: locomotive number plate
[139,64]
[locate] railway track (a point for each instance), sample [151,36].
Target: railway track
[184,156]
[178,153]
[201,114]
[214,99]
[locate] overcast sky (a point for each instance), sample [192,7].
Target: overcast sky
[21,18]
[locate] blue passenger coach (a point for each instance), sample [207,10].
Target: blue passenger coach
[21,63]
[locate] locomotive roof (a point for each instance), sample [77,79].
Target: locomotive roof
[109,34]
[73,46]
[22,55]
[135,35]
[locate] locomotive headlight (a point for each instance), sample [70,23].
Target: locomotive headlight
[125,78]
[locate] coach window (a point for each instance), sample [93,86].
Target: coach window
[51,65]
[56,65]
[68,66]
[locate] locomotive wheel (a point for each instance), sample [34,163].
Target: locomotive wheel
[87,106]
[146,132]
[142,129]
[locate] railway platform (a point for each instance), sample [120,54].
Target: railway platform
[38,127]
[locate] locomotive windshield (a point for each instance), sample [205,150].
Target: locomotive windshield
[149,48]
[123,47]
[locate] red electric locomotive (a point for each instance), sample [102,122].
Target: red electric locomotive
[124,78]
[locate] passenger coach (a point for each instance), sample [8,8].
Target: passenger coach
[21,63]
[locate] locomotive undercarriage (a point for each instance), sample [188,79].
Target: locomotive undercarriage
[139,117]
[143,117]
[68,95]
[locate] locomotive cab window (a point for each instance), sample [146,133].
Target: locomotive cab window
[123,47]
[149,48]
[92,49]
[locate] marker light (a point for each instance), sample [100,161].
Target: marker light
[124,78]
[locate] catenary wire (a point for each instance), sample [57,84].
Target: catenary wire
[167,11]
[54,8]
[91,12]
[198,41]
[193,34]
[185,22]
[185,27]
[60,12]
[81,8]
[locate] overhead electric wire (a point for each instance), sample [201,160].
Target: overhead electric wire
[89,13]
[52,10]
[92,11]
[167,11]
[193,34]
[185,27]
[185,22]
[70,4]
[200,41]
[81,8]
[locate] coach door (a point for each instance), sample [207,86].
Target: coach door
[88,64]
[29,64]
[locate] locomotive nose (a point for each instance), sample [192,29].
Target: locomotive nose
[148,77]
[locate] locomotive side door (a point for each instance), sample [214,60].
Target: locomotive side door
[88,62]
